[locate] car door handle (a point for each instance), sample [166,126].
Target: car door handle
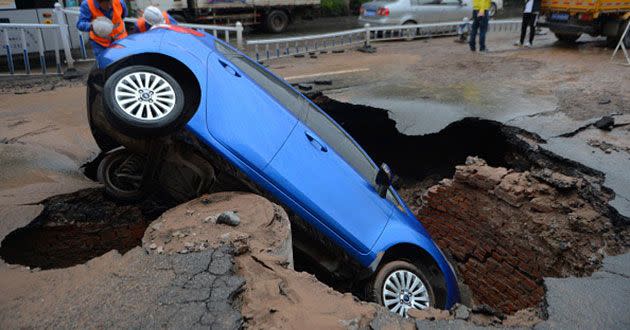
[315,142]
[229,69]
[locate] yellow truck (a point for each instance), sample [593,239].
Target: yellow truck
[569,19]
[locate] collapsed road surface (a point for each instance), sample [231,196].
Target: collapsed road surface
[46,141]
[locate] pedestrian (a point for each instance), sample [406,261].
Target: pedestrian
[479,24]
[530,16]
[463,30]
[152,16]
[91,10]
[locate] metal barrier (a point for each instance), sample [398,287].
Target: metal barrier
[267,49]
[13,31]
[218,31]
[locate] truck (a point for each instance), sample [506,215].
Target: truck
[569,19]
[273,15]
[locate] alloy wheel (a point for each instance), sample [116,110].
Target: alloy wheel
[404,290]
[145,96]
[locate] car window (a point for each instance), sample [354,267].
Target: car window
[276,87]
[343,145]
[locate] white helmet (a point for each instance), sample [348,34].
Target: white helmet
[153,15]
[102,26]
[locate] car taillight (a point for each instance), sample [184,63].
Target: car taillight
[382,11]
[586,17]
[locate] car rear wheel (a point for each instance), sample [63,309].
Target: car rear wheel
[121,172]
[410,34]
[277,21]
[143,100]
[401,286]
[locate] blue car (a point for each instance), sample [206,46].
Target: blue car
[179,110]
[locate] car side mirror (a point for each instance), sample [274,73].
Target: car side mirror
[383,180]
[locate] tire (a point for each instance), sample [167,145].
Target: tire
[158,113]
[276,21]
[569,38]
[410,34]
[117,187]
[386,274]
[493,10]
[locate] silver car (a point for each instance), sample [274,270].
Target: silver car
[401,12]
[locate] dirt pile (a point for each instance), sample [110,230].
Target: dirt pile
[506,230]
[274,296]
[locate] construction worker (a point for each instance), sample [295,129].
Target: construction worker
[152,16]
[92,13]
[480,23]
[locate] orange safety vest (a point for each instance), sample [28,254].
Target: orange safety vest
[142,23]
[118,32]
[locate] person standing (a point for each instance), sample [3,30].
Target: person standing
[152,16]
[90,10]
[530,15]
[479,24]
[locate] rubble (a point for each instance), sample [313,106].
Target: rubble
[229,218]
[506,230]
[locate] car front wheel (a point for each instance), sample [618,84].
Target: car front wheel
[401,286]
[143,101]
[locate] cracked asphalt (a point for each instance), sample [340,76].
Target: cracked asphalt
[137,290]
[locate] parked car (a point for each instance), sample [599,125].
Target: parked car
[212,118]
[406,12]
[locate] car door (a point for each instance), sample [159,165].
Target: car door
[332,178]
[247,107]
[426,11]
[454,10]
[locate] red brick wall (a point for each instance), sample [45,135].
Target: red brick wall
[506,230]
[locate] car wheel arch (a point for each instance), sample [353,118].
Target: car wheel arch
[177,69]
[422,258]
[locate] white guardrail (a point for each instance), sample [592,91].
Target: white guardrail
[15,31]
[267,49]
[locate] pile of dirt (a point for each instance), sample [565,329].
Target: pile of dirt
[506,230]
[274,295]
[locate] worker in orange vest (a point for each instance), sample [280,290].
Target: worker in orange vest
[95,11]
[152,16]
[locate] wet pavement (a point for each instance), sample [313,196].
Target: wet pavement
[426,85]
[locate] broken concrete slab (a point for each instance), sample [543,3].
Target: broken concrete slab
[595,302]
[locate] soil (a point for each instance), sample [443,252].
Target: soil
[262,245]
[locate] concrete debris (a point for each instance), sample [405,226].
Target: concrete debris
[229,218]
[461,312]
[605,123]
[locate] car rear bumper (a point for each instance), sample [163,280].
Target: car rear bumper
[377,21]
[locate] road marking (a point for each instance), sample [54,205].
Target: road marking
[330,73]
